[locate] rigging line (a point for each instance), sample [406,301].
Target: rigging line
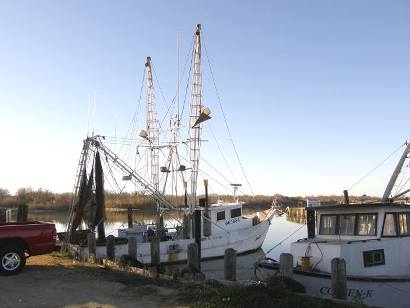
[371,171]
[220,151]
[216,170]
[281,242]
[399,187]
[185,66]
[211,177]
[188,81]
[131,127]
[112,175]
[226,122]
[162,94]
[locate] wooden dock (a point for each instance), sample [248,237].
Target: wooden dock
[297,214]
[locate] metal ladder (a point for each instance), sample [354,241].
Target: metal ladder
[82,162]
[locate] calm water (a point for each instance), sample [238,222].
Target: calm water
[281,233]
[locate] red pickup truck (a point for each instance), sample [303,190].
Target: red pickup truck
[18,241]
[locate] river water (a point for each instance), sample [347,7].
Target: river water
[280,234]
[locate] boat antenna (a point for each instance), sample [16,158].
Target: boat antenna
[178,79]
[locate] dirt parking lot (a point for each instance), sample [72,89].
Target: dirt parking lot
[49,281]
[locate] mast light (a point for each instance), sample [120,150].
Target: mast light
[144,134]
[204,116]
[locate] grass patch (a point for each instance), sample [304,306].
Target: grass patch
[272,294]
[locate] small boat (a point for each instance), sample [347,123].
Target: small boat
[214,227]
[374,240]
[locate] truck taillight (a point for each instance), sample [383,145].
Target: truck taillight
[54,234]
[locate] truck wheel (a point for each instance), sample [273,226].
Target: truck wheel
[12,260]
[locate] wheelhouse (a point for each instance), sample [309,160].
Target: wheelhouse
[367,236]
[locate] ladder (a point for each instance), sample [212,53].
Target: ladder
[81,167]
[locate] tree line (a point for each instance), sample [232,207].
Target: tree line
[47,200]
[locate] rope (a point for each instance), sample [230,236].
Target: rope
[222,154]
[214,223]
[226,122]
[371,171]
[281,242]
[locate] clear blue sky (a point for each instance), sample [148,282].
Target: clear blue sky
[317,93]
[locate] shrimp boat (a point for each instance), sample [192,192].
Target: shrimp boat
[372,237]
[213,226]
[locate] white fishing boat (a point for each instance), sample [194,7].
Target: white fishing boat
[214,227]
[373,238]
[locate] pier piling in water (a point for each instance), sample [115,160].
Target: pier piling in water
[3,216]
[129,217]
[132,248]
[185,226]
[286,265]
[91,242]
[339,279]
[155,253]
[193,258]
[22,213]
[110,246]
[230,264]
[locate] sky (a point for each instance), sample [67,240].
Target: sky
[316,93]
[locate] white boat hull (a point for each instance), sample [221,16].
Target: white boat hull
[173,251]
[377,292]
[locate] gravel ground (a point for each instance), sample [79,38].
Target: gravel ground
[50,281]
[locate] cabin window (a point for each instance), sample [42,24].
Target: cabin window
[404,223]
[220,215]
[389,226]
[373,257]
[328,224]
[346,224]
[236,213]
[366,224]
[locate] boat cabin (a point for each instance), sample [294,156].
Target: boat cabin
[373,238]
[223,218]
[228,217]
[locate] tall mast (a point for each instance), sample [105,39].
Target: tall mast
[152,127]
[395,174]
[196,105]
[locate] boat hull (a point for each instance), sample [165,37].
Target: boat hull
[379,292]
[174,251]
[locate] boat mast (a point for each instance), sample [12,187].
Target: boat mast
[196,105]
[395,174]
[152,127]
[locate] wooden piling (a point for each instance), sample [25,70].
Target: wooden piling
[339,279]
[193,258]
[22,213]
[132,248]
[230,264]
[155,252]
[9,215]
[3,216]
[286,265]
[91,242]
[185,226]
[110,246]
[130,217]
